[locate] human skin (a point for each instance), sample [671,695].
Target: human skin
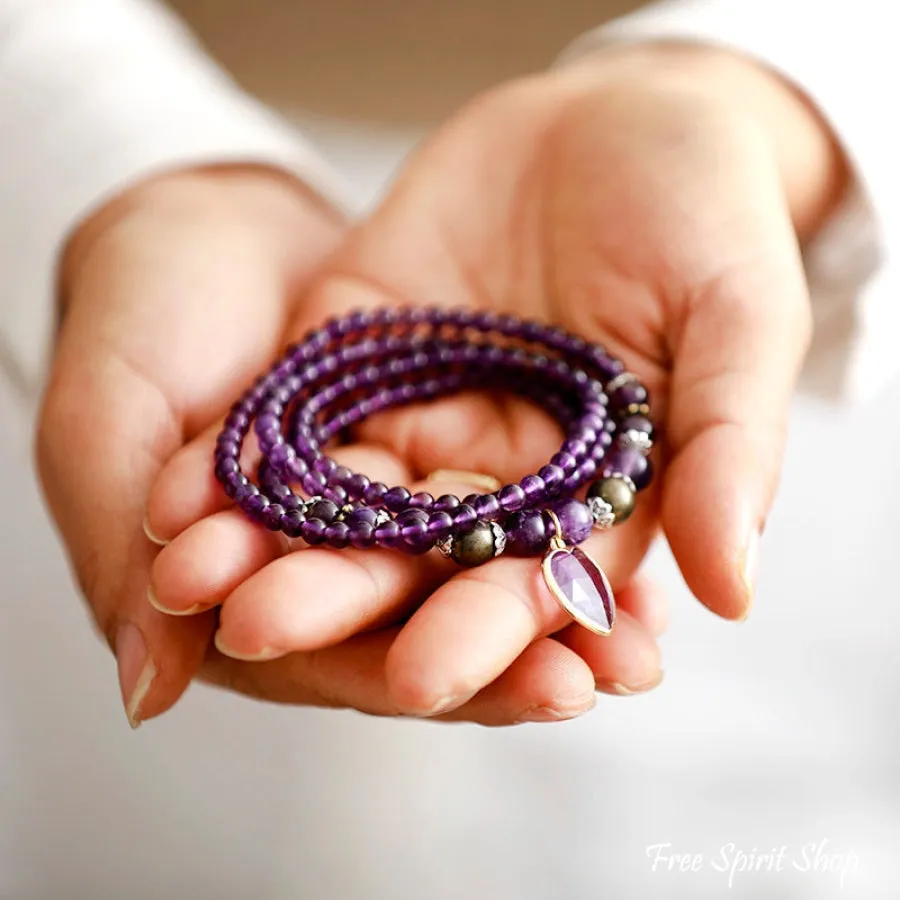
[652,198]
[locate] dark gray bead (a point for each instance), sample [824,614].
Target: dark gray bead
[617,493]
[474,547]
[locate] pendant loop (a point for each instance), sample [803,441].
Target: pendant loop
[557,542]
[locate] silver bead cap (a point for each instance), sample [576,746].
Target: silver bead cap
[499,539]
[620,380]
[635,440]
[601,512]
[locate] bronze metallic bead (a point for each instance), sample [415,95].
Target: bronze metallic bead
[617,493]
[474,547]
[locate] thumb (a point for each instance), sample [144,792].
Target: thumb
[740,348]
[170,311]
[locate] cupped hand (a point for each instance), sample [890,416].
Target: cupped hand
[649,200]
[174,295]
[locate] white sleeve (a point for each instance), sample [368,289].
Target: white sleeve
[95,95]
[843,58]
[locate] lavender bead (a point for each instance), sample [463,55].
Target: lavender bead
[337,535]
[313,532]
[375,493]
[566,461]
[446,502]
[255,506]
[629,396]
[325,510]
[422,500]
[631,463]
[362,536]
[271,516]
[357,485]
[440,524]
[464,516]
[487,506]
[387,534]
[553,477]
[336,494]
[314,483]
[575,518]
[416,536]
[526,533]
[396,499]
[292,523]
[534,489]
[361,516]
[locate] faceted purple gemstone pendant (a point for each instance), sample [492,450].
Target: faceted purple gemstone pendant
[581,588]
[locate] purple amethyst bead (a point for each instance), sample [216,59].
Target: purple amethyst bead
[575,518]
[511,497]
[397,499]
[324,510]
[255,506]
[292,523]
[337,535]
[487,506]
[526,533]
[632,463]
[271,516]
[629,396]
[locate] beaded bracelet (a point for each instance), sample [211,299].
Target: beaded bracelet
[380,359]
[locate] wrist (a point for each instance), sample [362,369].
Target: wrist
[810,162]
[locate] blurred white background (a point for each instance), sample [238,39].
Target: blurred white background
[777,733]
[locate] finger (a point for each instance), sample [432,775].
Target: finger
[153,328]
[627,662]
[548,682]
[473,627]
[210,559]
[186,489]
[738,358]
[312,599]
[647,602]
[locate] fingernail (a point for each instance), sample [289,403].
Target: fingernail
[136,670]
[445,704]
[152,537]
[749,568]
[622,690]
[154,602]
[556,713]
[263,655]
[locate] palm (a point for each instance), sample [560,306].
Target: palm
[546,202]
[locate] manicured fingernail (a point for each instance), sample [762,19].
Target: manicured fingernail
[152,537]
[623,690]
[749,567]
[136,670]
[556,713]
[259,656]
[154,602]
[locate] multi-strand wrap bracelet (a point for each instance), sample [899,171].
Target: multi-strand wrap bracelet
[375,360]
